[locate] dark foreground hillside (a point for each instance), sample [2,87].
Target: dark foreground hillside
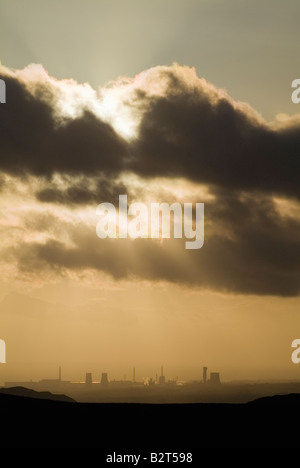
[28,421]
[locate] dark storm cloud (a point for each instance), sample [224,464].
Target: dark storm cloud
[84,192]
[201,134]
[259,254]
[260,250]
[34,141]
[188,129]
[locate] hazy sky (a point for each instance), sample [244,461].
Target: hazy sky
[248,47]
[186,101]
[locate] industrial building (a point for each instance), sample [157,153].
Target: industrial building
[88,378]
[214,377]
[104,378]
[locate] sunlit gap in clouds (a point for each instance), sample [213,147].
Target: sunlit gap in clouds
[113,103]
[110,105]
[114,108]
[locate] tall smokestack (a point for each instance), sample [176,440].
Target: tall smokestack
[162,379]
[204,374]
[133,374]
[59,374]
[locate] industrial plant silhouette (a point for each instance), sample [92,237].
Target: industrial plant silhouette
[209,388]
[103,389]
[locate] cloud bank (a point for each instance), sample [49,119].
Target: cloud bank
[64,135]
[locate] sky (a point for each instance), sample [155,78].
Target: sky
[165,101]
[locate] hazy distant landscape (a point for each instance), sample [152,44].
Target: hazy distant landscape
[137,392]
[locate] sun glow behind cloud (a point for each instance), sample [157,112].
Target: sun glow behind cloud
[109,103]
[113,109]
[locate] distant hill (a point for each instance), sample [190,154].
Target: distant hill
[32,419]
[291,399]
[28,393]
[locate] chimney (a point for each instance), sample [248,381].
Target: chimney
[162,379]
[204,374]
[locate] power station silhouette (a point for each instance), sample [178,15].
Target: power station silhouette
[161,380]
[106,385]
